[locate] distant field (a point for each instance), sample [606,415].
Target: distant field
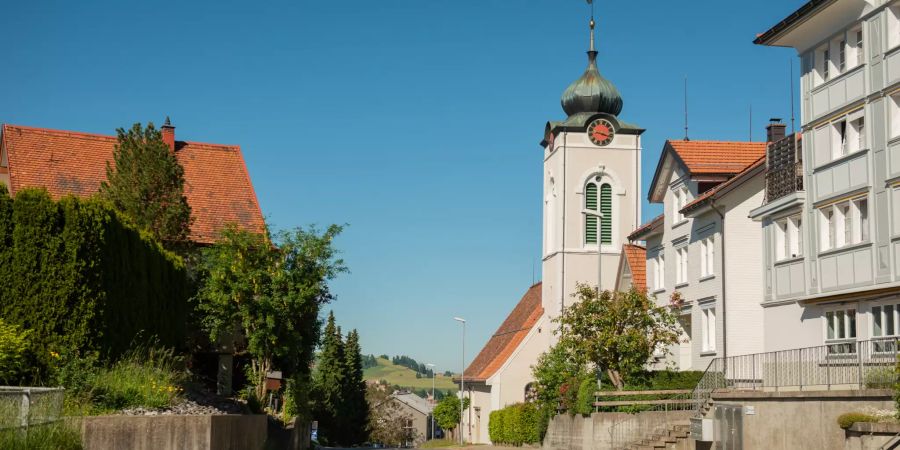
[406,377]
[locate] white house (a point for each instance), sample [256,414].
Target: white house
[707,189]
[831,221]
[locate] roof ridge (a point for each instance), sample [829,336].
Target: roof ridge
[83,134]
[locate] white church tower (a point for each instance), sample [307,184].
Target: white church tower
[592,163]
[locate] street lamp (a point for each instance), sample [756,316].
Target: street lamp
[599,215]
[462,378]
[432,398]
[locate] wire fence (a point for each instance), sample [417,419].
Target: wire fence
[24,407]
[837,365]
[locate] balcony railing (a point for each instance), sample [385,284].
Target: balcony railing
[784,168]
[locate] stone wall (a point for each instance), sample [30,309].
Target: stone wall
[567,432]
[220,432]
[800,419]
[872,436]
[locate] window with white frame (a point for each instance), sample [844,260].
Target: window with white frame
[844,223]
[893,28]
[894,104]
[840,325]
[707,256]
[658,271]
[859,54]
[788,238]
[839,139]
[842,56]
[857,135]
[681,263]
[823,65]
[680,199]
[885,324]
[708,328]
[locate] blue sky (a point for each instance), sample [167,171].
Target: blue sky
[415,122]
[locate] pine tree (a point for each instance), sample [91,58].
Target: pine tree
[355,405]
[146,183]
[329,384]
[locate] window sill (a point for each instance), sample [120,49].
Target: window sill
[681,285]
[845,248]
[659,291]
[708,353]
[787,261]
[707,277]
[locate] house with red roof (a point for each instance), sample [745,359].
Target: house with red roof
[632,271]
[217,184]
[703,238]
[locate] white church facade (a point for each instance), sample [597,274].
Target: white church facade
[591,203]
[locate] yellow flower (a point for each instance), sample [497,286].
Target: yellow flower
[54,354]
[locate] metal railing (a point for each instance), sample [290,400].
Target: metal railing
[23,407]
[784,181]
[837,365]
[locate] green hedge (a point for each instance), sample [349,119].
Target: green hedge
[522,423]
[82,279]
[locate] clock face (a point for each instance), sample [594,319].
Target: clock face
[601,132]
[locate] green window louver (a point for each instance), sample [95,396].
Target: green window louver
[590,222]
[606,210]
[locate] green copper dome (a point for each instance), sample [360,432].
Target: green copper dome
[592,93]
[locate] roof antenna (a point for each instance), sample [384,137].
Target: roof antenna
[686,138]
[751,122]
[793,130]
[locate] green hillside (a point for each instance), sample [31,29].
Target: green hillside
[406,377]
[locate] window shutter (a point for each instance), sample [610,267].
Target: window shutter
[606,210]
[590,222]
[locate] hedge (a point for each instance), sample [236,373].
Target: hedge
[522,423]
[82,279]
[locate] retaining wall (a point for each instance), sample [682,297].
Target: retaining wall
[219,432]
[872,436]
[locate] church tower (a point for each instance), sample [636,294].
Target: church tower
[592,163]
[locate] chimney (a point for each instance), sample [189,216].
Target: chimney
[775,130]
[168,134]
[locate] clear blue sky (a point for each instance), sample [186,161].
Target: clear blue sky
[416,122]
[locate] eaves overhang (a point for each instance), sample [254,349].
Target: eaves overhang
[648,229]
[664,168]
[578,123]
[791,21]
[814,22]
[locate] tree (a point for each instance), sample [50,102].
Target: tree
[329,384]
[271,294]
[617,331]
[146,183]
[557,375]
[388,421]
[356,407]
[446,413]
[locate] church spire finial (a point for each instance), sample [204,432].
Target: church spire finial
[591,2]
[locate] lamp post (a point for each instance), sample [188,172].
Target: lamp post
[432,398]
[599,215]
[462,378]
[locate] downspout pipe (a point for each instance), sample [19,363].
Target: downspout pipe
[712,204]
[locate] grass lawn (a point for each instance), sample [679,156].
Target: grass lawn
[406,377]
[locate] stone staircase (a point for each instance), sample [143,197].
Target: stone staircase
[676,436]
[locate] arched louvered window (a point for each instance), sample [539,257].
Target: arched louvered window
[590,221]
[606,210]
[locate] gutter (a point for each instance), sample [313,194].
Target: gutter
[712,204]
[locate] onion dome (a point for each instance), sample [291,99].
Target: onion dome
[592,93]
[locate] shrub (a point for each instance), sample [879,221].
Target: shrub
[82,279]
[13,344]
[517,424]
[848,419]
[584,403]
[880,378]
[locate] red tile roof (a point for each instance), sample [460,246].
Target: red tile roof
[508,337]
[217,185]
[703,198]
[637,233]
[717,157]
[636,256]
